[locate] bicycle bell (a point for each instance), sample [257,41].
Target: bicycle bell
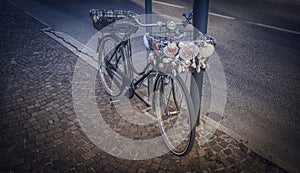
[171,25]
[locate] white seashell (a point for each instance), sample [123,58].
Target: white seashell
[198,69]
[146,43]
[207,50]
[174,64]
[154,62]
[194,65]
[151,57]
[203,65]
[171,50]
[165,60]
[174,72]
[179,68]
[181,45]
[187,63]
[161,65]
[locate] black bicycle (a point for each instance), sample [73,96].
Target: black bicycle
[171,52]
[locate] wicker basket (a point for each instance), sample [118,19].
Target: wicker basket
[102,18]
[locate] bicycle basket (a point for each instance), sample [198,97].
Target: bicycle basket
[102,18]
[179,52]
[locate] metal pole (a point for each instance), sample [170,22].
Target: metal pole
[148,10]
[200,18]
[200,15]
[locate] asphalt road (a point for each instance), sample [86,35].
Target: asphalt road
[258,42]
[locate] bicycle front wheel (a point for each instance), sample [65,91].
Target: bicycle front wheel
[110,79]
[175,114]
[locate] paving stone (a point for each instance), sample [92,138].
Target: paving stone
[217,148]
[227,151]
[141,170]
[226,163]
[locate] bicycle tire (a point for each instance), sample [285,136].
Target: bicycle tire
[109,82]
[160,104]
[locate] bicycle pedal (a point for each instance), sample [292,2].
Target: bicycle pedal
[113,102]
[173,112]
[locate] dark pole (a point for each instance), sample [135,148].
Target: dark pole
[148,4]
[148,10]
[200,18]
[200,15]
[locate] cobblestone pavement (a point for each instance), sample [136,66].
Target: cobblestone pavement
[39,130]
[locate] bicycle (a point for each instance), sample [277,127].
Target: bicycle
[168,56]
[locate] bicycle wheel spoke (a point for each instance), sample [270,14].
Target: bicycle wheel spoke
[112,66]
[174,112]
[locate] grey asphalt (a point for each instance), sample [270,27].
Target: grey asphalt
[261,64]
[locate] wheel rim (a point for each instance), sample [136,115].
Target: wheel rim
[109,82]
[174,121]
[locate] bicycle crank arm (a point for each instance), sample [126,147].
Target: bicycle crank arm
[173,112]
[113,102]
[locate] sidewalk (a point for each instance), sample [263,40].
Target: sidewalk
[38,127]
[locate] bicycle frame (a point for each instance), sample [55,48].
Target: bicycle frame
[127,81]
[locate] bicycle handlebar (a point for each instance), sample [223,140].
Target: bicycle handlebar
[158,24]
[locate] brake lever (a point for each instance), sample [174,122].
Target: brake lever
[188,17]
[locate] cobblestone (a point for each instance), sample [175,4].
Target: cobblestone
[39,130]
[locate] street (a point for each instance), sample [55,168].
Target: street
[258,43]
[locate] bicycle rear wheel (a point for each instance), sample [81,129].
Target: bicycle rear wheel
[111,80]
[175,114]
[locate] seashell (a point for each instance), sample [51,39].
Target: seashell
[154,62]
[181,45]
[201,59]
[187,63]
[179,68]
[206,50]
[203,65]
[155,46]
[171,50]
[165,60]
[198,69]
[146,42]
[151,57]
[95,20]
[174,64]
[161,65]
[174,72]
[186,70]
[194,65]
[189,51]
